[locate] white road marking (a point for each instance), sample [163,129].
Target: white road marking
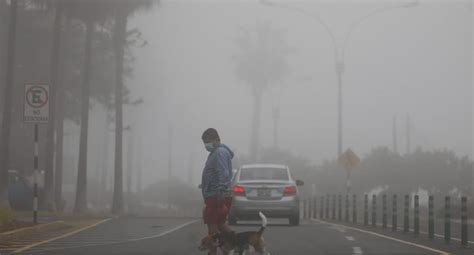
[357,250]
[350,238]
[392,238]
[389,226]
[119,242]
[339,228]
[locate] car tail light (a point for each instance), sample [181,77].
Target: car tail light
[238,190]
[290,190]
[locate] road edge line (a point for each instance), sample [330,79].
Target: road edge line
[125,241]
[61,237]
[389,238]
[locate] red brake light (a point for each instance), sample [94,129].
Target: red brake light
[238,190]
[290,190]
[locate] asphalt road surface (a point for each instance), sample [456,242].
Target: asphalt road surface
[181,237]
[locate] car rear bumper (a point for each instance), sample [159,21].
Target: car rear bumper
[242,208]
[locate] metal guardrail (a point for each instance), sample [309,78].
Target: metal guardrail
[331,207]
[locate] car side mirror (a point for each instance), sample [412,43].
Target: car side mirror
[200,186]
[299,183]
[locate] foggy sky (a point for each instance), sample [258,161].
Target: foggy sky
[414,61]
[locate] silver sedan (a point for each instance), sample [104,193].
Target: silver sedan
[268,188]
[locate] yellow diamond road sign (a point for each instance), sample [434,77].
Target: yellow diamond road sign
[348,160]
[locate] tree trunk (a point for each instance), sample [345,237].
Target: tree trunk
[104,163]
[255,132]
[139,169]
[129,171]
[49,201]
[7,108]
[58,177]
[119,44]
[81,189]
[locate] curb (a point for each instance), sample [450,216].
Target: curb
[22,232]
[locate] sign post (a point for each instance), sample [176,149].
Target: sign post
[348,160]
[36,111]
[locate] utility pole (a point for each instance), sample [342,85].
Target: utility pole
[394,130]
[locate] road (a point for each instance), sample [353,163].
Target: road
[180,236]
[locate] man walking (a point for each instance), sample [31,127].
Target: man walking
[216,183]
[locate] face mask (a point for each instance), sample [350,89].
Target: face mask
[209,147]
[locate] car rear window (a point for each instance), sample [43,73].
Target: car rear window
[250,174]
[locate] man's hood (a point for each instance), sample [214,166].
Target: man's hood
[228,149]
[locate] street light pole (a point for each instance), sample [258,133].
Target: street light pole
[340,72]
[170,164]
[339,51]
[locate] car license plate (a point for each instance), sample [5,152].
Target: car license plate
[263,192]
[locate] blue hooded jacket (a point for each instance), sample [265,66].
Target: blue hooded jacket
[217,173]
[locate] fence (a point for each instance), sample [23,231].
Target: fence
[331,208]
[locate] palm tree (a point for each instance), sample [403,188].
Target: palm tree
[7,107]
[261,62]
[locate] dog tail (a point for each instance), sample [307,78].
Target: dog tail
[264,223]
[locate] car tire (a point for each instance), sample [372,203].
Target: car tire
[232,220]
[294,220]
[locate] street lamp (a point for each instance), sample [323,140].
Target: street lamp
[339,51]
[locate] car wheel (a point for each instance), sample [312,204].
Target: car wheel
[232,220]
[294,220]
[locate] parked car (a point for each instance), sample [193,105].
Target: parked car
[268,188]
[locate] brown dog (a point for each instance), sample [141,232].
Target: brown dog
[238,242]
[209,242]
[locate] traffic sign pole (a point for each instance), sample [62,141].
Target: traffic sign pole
[35,177]
[36,111]
[348,182]
[348,160]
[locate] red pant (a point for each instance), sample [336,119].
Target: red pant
[214,215]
